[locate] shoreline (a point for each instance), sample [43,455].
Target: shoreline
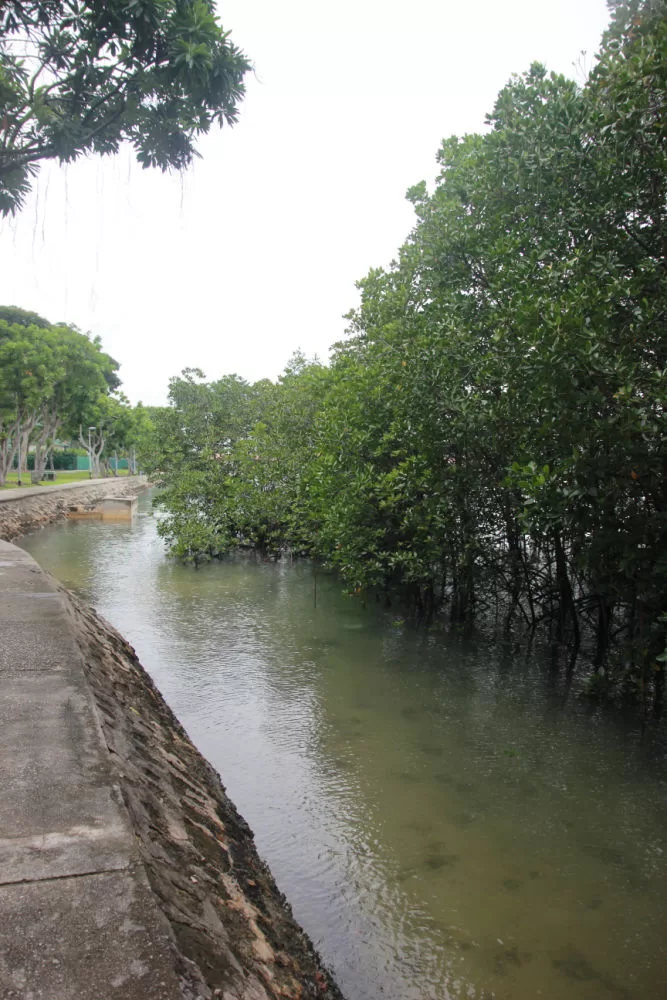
[212,922]
[28,509]
[198,851]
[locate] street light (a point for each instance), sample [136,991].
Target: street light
[19,445]
[90,453]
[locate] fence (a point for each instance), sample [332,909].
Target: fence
[69,461]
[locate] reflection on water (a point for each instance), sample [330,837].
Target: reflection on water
[444,820]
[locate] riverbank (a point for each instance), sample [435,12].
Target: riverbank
[125,870]
[23,510]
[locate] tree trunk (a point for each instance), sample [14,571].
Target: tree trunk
[40,453]
[512,535]
[9,440]
[25,442]
[94,450]
[37,473]
[44,443]
[566,608]
[603,630]
[7,455]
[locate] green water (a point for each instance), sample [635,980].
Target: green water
[446,819]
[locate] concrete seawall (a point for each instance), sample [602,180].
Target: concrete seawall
[125,870]
[23,510]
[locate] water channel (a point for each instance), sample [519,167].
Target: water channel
[446,818]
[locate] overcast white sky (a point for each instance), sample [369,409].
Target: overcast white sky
[254,251]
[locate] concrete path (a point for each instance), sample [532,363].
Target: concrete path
[34,491]
[77,918]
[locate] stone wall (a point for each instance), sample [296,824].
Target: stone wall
[125,869]
[23,514]
[233,931]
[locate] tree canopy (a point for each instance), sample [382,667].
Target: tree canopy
[81,77]
[57,383]
[489,439]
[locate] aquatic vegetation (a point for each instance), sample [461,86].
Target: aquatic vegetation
[489,439]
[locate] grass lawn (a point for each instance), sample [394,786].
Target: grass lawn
[61,477]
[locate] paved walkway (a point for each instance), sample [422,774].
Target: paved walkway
[77,918]
[33,491]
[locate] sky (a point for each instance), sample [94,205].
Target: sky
[254,251]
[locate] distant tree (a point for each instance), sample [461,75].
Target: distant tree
[98,421]
[26,376]
[50,378]
[12,314]
[139,437]
[81,374]
[490,439]
[83,77]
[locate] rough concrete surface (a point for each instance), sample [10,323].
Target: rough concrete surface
[77,917]
[125,871]
[89,938]
[24,510]
[23,492]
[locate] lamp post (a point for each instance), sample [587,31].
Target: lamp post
[90,453]
[19,444]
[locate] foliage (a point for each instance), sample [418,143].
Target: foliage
[490,437]
[83,77]
[12,314]
[53,380]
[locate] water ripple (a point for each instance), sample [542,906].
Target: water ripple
[445,821]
